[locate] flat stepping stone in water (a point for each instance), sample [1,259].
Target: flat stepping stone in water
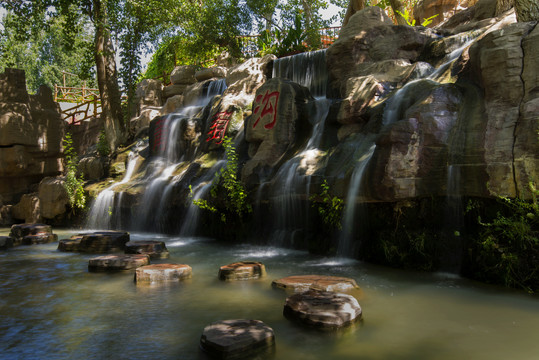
[322,309]
[99,242]
[5,242]
[162,273]
[155,249]
[300,283]
[117,262]
[71,244]
[30,234]
[244,270]
[237,339]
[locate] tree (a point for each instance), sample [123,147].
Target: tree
[527,10]
[39,14]
[353,7]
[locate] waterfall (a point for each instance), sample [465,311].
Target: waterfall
[307,69]
[104,209]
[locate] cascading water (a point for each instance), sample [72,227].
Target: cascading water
[104,211]
[151,213]
[291,185]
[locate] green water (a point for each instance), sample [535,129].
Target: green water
[52,308]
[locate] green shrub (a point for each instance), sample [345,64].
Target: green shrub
[73,184]
[103,148]
[329,207]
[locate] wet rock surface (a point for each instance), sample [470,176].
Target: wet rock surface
[244,270]
[153,248]
[96,242]
[322,309]
[5,242]
[32,234]
[300,283]
[237,339]
[117,262]
[157,273]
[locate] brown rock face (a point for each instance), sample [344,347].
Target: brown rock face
[322,310]
[149,93]
[5,242]
[237,339]
[154,249]
[279,118]
[96,242]
[117,262]
[301,283]
[245,270]
[158,273]
[31,132]
[31,234]
[28,209]
[214,72]
[53,198]
[183,75]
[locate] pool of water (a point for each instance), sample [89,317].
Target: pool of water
[51,307]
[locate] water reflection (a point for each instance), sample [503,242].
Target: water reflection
[52,308]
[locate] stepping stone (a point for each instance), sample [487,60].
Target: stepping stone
[71,244]
[162,273]
[237,339]
[117,262]
[5,242]
[322,309]
[155,249]
[99,242]
[31,234]
[19,231]
[300,283]
[44,238]
[244,270]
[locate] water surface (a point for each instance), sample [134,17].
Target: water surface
[52,308]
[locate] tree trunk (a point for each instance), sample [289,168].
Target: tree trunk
[527,10]
[353,7]
[312,35]
[397,7]
[107,78]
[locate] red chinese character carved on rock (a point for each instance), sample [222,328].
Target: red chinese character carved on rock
[218,127]
[266,105]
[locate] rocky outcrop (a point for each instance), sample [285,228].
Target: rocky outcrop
[438,10]
[149,93]
[237,339]
[99,242]
[53,198]
[279,120]
[160,273]
[154,249]
[302,283]
[322,310]
[117,262]
[244,270]
[28,209]
[214,72]
[31,132]
[32,234]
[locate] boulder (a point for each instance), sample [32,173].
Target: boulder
[32,233]
[92,168]
[244,270]
[13,86]
[117,262]
[149,93]
[214,72]
[96,242]
[53,199]
[244,80]
[360,93]
[28,209]
[157,273]
[193,93]
[323,310]
[70,245]
[370,37]
[154,249]
[183,75]
[302,283]
[5,242]
[280,119]
[496,63]
[173,90]
[237,339]
[142,122]
[441,9]
[172,104]
[411,155]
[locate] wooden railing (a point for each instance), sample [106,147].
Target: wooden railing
[83,111]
